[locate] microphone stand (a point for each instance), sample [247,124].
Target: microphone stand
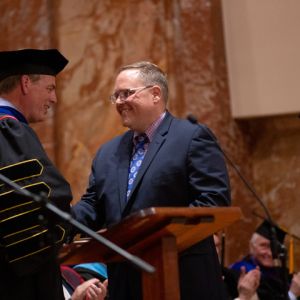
[43,200]
[223,250]
[278,250]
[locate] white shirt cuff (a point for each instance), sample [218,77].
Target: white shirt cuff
[292,296]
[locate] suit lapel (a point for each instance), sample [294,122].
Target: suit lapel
[124,155]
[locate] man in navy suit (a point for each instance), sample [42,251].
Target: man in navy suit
[180,165]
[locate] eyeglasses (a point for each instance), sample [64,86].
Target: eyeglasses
[124,94]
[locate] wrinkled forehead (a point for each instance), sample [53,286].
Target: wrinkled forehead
[258,239]
[43,79]
[128,79]
[49,79]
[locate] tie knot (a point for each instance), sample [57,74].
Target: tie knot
[141,137]
[140,141]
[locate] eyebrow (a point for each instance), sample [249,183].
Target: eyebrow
[51,86]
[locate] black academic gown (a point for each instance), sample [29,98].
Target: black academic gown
[29,236]
[230,279]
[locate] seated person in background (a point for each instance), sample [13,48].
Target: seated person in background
[239,285]
[92,270]
[271,285]
[84,281]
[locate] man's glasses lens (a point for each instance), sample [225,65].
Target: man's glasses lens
[124,94]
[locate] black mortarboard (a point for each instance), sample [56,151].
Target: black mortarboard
[31,61]
[264,229]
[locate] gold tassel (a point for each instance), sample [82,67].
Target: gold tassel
[291,255]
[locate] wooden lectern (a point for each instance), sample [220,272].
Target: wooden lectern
[157,235]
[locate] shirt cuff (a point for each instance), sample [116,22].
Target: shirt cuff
[292,296]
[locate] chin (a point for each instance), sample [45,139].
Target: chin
[126,123]
[34,119]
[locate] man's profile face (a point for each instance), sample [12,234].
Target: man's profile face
[261,251]
[40,98]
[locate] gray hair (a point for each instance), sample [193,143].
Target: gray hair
[9,83]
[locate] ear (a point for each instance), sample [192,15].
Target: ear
[157,94]
[25,83]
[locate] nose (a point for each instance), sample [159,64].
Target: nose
[53,97]
[119,100]
[268,252]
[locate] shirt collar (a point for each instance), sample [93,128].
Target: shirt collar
[4,102]
[150,131]
[7,107]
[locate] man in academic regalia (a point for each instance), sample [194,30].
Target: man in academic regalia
[273,285]
[29,235]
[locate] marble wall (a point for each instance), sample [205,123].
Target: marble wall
[184,37]
[25,25]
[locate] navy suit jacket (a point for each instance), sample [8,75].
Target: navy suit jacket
[183,167]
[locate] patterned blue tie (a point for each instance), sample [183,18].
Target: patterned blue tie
[136,160]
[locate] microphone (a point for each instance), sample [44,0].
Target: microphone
[274,241]
[192,118]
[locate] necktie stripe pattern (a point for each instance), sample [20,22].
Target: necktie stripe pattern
[136,160]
